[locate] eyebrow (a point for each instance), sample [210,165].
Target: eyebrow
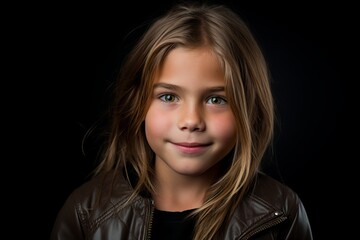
[178,88]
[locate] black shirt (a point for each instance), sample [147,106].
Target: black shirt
[172,225]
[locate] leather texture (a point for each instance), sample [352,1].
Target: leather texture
[270,211]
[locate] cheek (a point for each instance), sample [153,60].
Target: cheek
[156,124]
[223,127]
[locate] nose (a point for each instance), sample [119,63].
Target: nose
[191,118]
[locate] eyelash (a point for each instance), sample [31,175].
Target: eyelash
[164,97]
[222,100]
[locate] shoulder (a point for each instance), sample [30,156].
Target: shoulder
[91,205]
[270,195]
[94,201]
[271,191]
[101,189]
[270,203]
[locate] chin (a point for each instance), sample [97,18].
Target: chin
[192,172]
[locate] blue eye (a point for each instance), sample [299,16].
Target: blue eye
[168,98]
[216,100]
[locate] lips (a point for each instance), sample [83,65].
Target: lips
[191,147]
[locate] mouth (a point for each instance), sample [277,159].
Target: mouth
[191,147]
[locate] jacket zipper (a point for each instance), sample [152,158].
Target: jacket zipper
[151,217]
[277,218]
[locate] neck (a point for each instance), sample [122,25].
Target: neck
[179,192]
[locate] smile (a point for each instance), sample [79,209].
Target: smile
[191,148]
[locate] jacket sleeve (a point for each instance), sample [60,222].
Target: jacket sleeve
[67,223]
[298,223]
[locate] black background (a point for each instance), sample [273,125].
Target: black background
[66,56]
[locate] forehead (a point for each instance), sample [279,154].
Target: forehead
[191,64]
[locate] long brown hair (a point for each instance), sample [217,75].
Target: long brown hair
[247,88]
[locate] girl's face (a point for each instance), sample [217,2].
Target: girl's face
[189,124]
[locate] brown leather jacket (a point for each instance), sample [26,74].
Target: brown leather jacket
[270,211]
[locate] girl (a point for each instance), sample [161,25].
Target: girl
[192,118]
